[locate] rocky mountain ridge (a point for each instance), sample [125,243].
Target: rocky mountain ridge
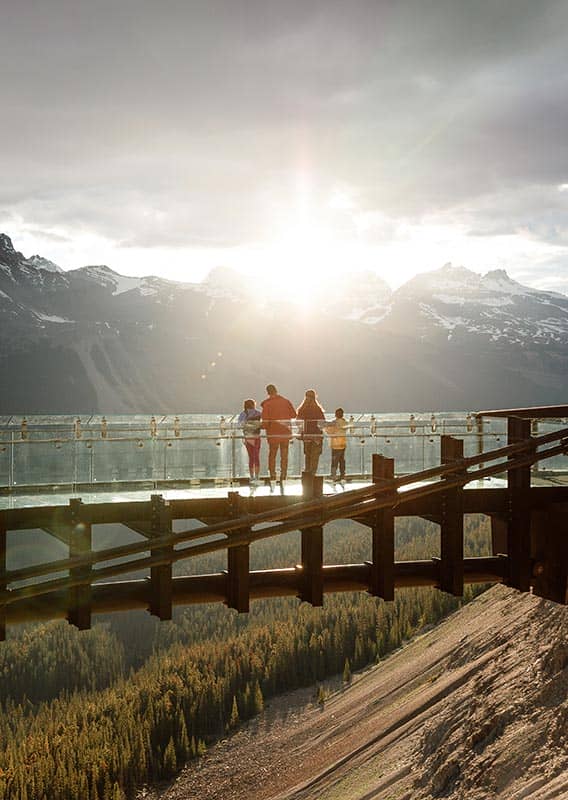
[103,341]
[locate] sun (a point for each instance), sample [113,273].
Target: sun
[299,261]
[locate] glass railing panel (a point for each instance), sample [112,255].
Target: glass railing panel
[125,460]
[6,451]
[407,449]
[44,462]
[67,449]
[201,458]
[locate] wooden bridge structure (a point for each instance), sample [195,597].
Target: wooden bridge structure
[529,537]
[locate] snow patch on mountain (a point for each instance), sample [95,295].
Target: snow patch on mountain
[449,299]
[38,262]
[121,284]
[51,317]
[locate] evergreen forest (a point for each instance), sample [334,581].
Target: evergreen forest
[97,714]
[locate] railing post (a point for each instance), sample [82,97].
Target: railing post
[2,582]
[312,546]
[80,544]
[451,525]
[233,457]
[480,437]
[550,550]
[161,576]
[238,562]
[519,511]
[382,532]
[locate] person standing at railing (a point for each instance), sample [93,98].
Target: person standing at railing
[337,431]
[277,411]
[249,420]
[312,414]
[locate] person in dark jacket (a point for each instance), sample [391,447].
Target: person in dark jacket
[312,414]
[277,411]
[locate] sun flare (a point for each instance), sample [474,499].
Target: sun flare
[299,262]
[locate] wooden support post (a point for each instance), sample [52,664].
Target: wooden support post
[161,577]
[238,561]
[312,546]
[549,534]
[80,544]
[382,532]
[2,582]
[451,525]
[519,512]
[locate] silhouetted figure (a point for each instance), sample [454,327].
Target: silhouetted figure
[249,420]
[312,414]
[277,411]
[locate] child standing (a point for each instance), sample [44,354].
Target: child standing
[337,431]
[249,420]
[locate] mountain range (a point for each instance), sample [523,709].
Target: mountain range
[89,339]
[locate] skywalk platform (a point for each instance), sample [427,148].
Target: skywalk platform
[292,489]
[527,508]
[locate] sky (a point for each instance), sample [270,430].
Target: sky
[289,139]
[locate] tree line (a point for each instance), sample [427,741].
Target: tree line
[94,715]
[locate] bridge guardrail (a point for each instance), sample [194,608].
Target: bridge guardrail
[100,451]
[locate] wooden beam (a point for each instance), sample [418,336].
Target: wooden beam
[549,549]
[451,525]
[238,564]
[534,412]
[135,594]
[80,544]
[161,576]
[382,533]
[312,547]
[519,511]
[60,532]
[141,528]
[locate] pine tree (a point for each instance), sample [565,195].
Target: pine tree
[234,718]
[169,764]
[258,699]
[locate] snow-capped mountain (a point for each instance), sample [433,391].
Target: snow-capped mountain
[458,302]
[91,339]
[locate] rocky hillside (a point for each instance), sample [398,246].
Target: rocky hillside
[476,709]
[91,340]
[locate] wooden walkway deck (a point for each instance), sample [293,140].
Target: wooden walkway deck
[530,546]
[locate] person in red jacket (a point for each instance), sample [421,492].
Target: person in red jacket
[277,411]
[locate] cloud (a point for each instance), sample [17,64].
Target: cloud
[186,124]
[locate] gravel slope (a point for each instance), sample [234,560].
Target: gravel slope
[476,708]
